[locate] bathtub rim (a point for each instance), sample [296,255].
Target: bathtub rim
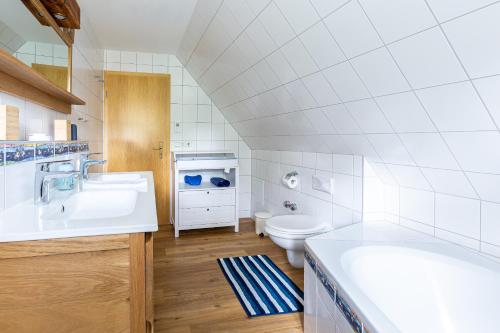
[372,318]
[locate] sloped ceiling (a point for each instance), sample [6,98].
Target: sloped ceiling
[412,85]
[147,26]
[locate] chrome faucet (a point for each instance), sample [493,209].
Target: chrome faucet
[291,205]
[44,177]
[86,163]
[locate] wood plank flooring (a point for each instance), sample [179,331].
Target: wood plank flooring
[191,293]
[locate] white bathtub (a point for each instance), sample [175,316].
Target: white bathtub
[395,280]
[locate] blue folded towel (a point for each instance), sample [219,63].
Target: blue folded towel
[192,180]
[220,182]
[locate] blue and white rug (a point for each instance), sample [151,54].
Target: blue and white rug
[261,287]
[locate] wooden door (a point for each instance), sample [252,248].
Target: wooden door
[136,125]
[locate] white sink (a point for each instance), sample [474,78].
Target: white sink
[115,177]
[88,205]
[115,181]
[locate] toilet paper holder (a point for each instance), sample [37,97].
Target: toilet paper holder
[291,179]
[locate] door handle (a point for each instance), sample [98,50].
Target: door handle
[160,149]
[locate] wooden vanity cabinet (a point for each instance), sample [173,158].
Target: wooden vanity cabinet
[81,285]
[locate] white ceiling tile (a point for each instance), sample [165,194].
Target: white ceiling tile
[299,58]
[409,176]
[429,150]
[486,185]
[325,7]
[459,215]
[346,82]
[447,9]
[490,223]
[426,59]
[321,46]
[384,77]
[285,99]
[319,121]
[241,11]
[352,30]
[369,117]
[267,75]
[281,67]
[257,5]
[476,151]
[260,38]
[336,144]
[359,145]
[398,18]
[449,182]
[320,89]
[417,205]
[405,113]
[228,22]
[299,13]
[254,80]
[456,107]
[475,39]
[301,95]
[276,25]
[341,119]
[247,54]
[488,90]
[299,123]
[390,149]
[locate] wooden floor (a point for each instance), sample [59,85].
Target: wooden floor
[191,293]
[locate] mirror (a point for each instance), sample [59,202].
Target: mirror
[38,46]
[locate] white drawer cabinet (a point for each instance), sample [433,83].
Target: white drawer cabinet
[206,215]
[207,198]
[204,205]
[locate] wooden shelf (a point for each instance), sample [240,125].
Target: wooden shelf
[21,80]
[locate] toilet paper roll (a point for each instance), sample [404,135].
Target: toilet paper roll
[291,182]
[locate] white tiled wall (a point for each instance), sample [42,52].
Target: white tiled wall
[10,41]
[43,53]
[443,203]
[411,85]
[341,208]
[17,181]
[195,123]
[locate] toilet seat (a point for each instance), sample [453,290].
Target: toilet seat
[290,232]
[295,227]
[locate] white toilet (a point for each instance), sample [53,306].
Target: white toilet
[290,231]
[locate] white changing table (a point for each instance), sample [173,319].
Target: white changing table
[206,205]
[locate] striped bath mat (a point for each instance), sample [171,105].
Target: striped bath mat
[261,287]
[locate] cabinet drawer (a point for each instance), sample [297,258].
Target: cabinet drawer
[206,215]
[207,198]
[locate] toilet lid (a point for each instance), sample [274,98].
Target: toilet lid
[296,224]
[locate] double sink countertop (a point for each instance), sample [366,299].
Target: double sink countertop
[112,203]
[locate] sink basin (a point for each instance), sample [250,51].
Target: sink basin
[114,181]
[88,205]
[115,177]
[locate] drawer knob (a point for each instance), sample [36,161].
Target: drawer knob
[208,192]
[208,209]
